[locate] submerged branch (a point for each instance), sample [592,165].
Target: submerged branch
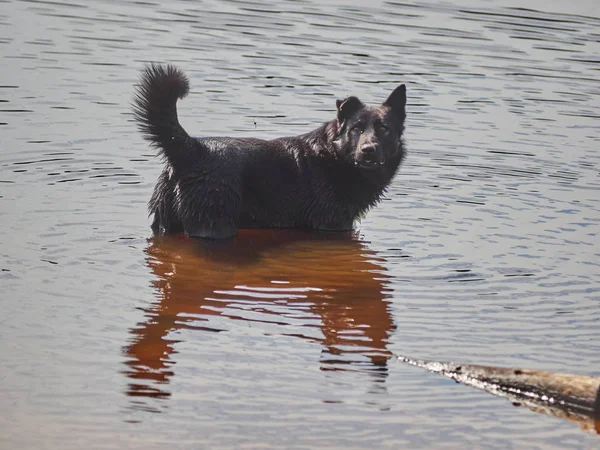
[572,397]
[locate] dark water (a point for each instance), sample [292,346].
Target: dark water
[485,251]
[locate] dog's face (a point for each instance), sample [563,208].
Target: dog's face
[370,137]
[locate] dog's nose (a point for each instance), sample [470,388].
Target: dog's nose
[368,149]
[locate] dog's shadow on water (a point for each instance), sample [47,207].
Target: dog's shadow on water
[327,288]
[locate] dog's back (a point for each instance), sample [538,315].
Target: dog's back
[322,180]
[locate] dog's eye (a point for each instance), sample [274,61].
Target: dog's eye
[383,127]
[356,129]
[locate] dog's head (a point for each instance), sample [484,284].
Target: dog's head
[370,137]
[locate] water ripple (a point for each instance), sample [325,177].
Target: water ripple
[484,250]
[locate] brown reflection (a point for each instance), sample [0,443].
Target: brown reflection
[328,288]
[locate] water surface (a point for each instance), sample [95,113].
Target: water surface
[485,250]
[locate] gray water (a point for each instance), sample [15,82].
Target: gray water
[485,250]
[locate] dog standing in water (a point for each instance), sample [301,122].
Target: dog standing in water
[322,180]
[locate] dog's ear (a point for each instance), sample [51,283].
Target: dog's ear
[397,101]
[347,107]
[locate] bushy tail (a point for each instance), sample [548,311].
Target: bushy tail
[154,108]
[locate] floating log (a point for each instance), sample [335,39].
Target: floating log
[572,397]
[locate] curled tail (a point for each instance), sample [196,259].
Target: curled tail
[154,108]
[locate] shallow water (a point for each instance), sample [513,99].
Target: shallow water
[485,250]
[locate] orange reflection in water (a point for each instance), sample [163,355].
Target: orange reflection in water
[328,288]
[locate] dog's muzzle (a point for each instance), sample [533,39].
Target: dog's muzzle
[369,157]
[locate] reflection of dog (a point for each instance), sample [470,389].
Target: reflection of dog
[322,180]
[337,297]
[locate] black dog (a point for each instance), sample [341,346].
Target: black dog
[322,180]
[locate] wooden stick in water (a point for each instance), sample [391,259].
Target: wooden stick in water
[572,397]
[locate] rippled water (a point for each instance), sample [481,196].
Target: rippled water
[485,250]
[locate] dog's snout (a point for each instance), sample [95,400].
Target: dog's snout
[369,155]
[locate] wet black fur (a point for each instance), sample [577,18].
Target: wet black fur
[321,180]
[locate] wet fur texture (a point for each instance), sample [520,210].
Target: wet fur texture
[322,180]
